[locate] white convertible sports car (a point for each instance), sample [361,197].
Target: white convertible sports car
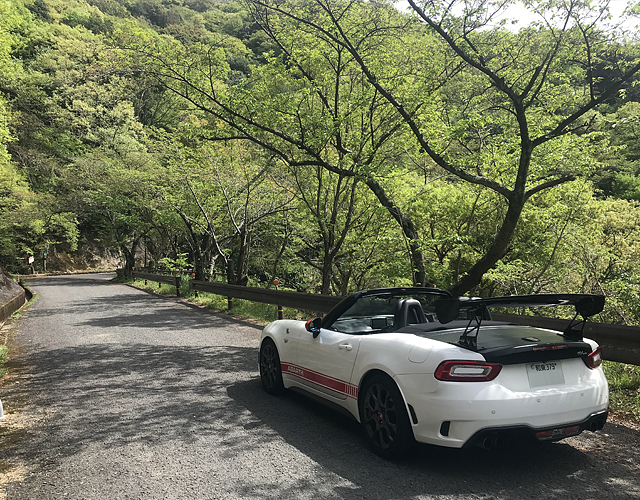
[415,364]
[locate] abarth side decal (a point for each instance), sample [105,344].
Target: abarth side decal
[334,384]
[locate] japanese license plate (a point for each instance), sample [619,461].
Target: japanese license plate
[543,374]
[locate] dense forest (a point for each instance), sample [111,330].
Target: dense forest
[337,145]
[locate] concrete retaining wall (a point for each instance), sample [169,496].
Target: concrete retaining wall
[12,295]
[8,308]
[12,298]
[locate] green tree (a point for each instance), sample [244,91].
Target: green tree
[330,199]
[29,222]
[112,202]
[312,107]
[504,97]
[221,192]
[619,176]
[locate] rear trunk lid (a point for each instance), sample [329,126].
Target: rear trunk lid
[507,343]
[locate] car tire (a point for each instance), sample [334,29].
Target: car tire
[384,419]
[270,369]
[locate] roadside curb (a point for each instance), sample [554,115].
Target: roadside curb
[9,308]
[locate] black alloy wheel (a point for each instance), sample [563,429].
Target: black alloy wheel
[270,369]
[384,418]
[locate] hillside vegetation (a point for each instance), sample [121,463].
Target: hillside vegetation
[335,145]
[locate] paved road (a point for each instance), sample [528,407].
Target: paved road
[118,394]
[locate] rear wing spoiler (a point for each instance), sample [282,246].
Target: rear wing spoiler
[477,308]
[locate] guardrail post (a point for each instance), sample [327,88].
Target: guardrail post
[229,303]
[276,282]
[193,277]
[178,283]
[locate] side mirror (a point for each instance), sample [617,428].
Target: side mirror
[313,326]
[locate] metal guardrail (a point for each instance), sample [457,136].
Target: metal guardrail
[284,298]
[159,278]
[619,343]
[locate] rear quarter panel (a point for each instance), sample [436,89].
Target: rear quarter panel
[404,354]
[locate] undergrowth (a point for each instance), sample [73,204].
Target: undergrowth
[624,388]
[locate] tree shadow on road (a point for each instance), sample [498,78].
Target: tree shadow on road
[151,312]
[582,467]
[112,395]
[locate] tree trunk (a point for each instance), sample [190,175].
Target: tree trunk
[409,230]
[231,275]
[242,257]
[276,262]
[496,251]
[327,273]
[201,255]
[129,256]
[198,263]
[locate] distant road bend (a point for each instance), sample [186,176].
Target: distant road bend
[116,393]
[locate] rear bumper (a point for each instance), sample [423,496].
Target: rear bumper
[498,436]
[452,414]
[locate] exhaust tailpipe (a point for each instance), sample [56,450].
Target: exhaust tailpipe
[596,425]
[488,443]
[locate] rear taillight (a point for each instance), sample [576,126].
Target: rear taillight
[467,371]
[594,360]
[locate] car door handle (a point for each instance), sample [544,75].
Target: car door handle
[345,347]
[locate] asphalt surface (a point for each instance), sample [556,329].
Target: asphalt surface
[115,393]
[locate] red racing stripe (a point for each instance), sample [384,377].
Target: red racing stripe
[334,384]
